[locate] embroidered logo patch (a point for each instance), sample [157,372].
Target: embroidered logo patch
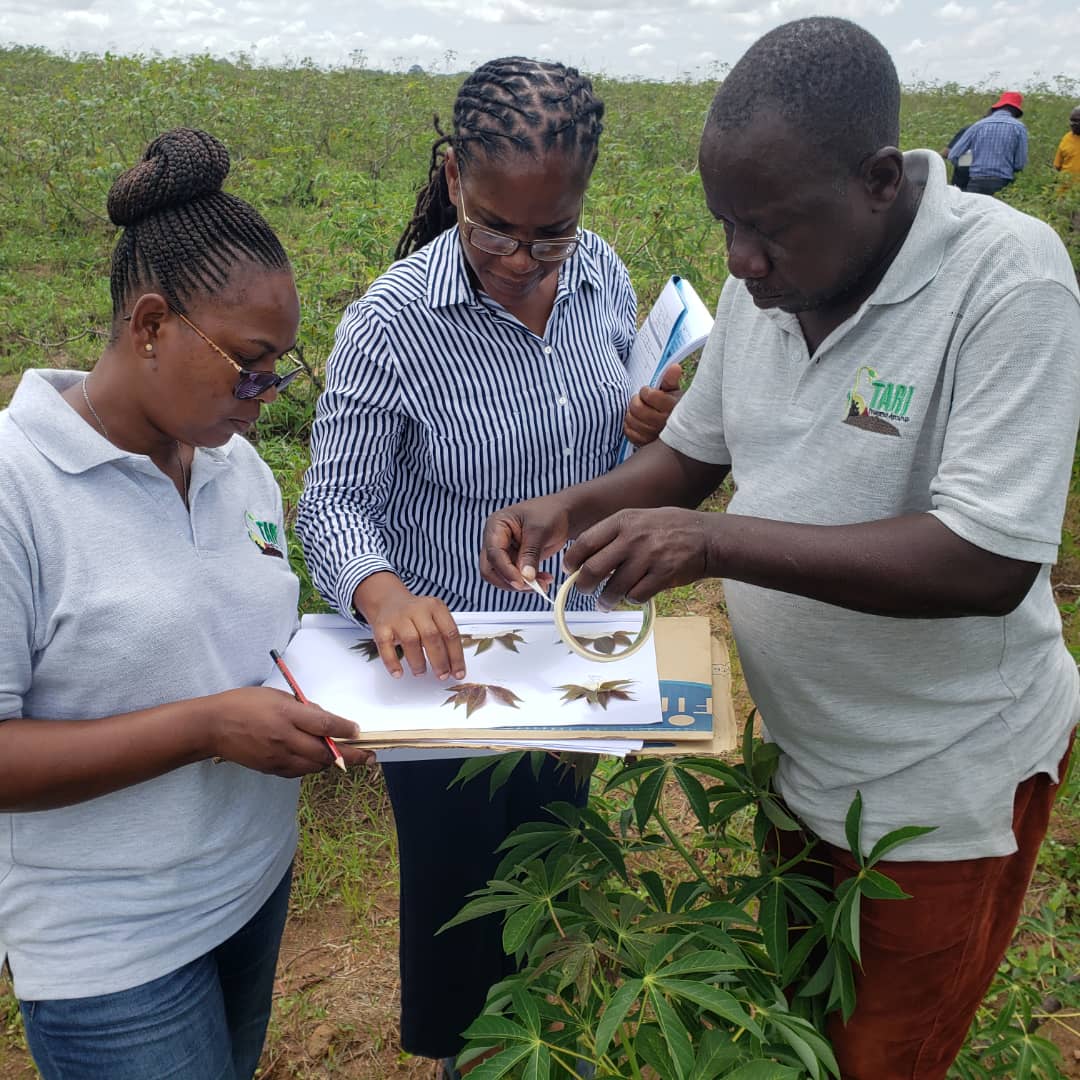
[877,405]
[265,535]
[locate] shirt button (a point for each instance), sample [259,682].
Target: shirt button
[567,452]
[547,350]
[561,401]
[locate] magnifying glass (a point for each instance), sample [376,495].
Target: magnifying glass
[588,647]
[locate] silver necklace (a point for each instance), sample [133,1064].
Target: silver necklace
[105,432]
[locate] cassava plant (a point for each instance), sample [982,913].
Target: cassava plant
[653,951]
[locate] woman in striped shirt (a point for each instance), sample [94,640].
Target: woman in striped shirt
[485,367]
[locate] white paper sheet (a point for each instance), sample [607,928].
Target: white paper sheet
[610,748]
[342,680]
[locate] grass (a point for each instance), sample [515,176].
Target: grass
[333,159]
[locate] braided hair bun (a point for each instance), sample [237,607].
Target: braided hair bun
[177,168]
[182,234]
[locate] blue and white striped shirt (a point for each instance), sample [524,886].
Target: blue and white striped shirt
[998,145]
[440,407]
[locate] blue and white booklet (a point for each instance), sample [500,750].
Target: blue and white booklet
[677,325]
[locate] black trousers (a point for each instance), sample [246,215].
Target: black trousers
[446,849]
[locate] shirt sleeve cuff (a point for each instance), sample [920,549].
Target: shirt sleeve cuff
[715,454]
[354,573]
[1009,546]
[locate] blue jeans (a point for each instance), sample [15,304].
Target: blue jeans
[204,1021]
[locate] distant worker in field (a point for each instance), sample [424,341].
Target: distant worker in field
[1067,158]
[875,385]
[961,173]
[998,145]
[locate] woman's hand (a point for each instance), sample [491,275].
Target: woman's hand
[518,537]
[270,731]
[420,625]
[651,406]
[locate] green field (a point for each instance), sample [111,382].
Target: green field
[333,159]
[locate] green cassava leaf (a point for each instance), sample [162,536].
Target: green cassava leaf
[518,926]
[853,827]
[895,838]
[763,1070]
[772,809]
[679,1046]
[695,795]
[718,1002]
[877,886]
[615,1012]
[647,796]
[772,918]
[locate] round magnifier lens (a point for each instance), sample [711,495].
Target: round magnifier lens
[604,647]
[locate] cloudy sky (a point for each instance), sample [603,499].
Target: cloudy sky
[999,43]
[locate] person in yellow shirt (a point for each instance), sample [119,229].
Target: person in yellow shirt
[1067,158]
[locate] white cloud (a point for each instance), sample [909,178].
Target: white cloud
[914,45]
[98,20]
[414,41]
[641,50]
[647,30]
[954,12]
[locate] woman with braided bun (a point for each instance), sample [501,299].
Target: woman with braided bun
[147,779]
[488,364]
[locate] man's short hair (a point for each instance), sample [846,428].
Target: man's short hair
[831,80]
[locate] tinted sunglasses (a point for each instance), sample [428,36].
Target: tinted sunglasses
[251,383]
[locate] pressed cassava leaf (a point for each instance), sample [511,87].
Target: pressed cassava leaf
[371,650]
[475,695]
[598,694]
[482,642]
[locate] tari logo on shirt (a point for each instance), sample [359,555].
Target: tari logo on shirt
[874,404]
[264,535]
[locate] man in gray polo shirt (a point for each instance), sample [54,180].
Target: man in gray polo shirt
[893,383]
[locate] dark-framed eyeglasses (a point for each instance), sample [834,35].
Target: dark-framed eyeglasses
[251,383]
[493,242]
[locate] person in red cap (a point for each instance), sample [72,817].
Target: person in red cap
[998,145]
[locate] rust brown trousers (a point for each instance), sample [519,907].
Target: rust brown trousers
[927,962]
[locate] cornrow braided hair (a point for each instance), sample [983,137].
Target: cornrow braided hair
[182,233]
[506,106]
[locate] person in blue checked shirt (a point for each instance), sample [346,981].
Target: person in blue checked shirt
[487,366]
[998,145]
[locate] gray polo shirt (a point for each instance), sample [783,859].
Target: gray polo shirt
[954,391]
[113,598]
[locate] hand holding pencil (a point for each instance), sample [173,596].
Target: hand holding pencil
[287,675]
[272,731]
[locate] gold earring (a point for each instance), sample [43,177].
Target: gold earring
[148,347]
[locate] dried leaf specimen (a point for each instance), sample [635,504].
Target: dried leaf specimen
[599,694]
[482,642]
[475,696]
[605,644]
[371,650]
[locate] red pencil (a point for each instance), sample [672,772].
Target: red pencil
[339,761]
